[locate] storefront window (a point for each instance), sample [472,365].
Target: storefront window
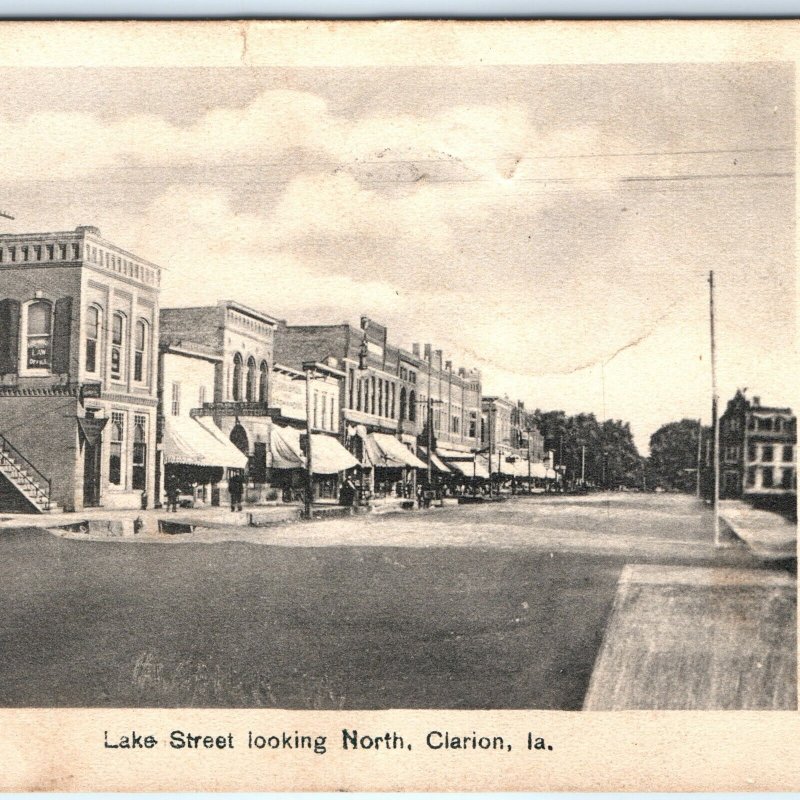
[139,476]
[115,451]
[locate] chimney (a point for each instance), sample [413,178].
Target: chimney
[756,402]
[415,349]
[462,373]
[448,365]
[427,352]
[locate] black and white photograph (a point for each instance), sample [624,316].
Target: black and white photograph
[369,387]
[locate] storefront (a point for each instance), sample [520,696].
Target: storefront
[200,457]
[329,463]
[392,464]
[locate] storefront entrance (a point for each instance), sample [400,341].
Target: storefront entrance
[91,475]
[90,432]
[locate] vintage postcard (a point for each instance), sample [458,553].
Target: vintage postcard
[398,406]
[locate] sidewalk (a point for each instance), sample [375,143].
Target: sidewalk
[768,535]
[121,522]
[698,638]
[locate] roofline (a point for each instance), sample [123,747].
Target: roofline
[252,312]
[82,234]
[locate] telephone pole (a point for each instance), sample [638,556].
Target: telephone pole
[714,409]
[699,453]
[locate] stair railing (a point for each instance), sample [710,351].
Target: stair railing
[39,480]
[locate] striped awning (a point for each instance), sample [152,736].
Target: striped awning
[327,454]
[199,442]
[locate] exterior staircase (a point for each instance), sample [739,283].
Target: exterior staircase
[32,486]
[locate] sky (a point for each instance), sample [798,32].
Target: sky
[552,225]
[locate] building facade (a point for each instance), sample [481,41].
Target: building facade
[757,449]
[243,340]
[385,399]
[78,369]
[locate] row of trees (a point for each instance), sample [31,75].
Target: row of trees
[603,453]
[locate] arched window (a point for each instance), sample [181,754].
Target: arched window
[139,473]
[117,345]
[402,403]
[39,335]
[250,391]
[412,406]
[117,440]
[236,388]
[92,337]
[263,383]
[140,351]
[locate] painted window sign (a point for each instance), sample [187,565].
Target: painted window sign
[39,331]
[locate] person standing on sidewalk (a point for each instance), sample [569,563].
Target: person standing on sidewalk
[172,488]
[236,489]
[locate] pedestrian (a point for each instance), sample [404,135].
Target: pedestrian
[172,488]
[236,489]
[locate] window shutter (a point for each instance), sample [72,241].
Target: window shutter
[9,336]
[62,325]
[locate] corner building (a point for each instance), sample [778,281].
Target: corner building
[78,357]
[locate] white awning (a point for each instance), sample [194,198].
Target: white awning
[436,462]
[199,442]
[327,454]
[384,450]
[538,470]
[481,467]
[284,447]
[464,467]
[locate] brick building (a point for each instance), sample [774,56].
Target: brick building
[757,449]
[241,339]
[78,351]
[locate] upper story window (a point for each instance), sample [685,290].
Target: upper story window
[117,345]
[140,351]
[251,380]
[92,337]
[38,335]
[236,387]
[263,382]
[764,423]
[25,252]
[767,453]
[731,453]
[51,252]
[788,453]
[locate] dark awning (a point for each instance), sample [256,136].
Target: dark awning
[91,429]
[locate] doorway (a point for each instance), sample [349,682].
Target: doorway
[91,474]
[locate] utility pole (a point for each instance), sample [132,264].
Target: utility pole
[309,473]
[430,437]
[714,408]
[699,453]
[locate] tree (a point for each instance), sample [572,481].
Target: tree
[606,450]
[673,455]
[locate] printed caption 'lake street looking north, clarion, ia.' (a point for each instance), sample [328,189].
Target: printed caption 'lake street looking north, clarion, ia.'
[350,739]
